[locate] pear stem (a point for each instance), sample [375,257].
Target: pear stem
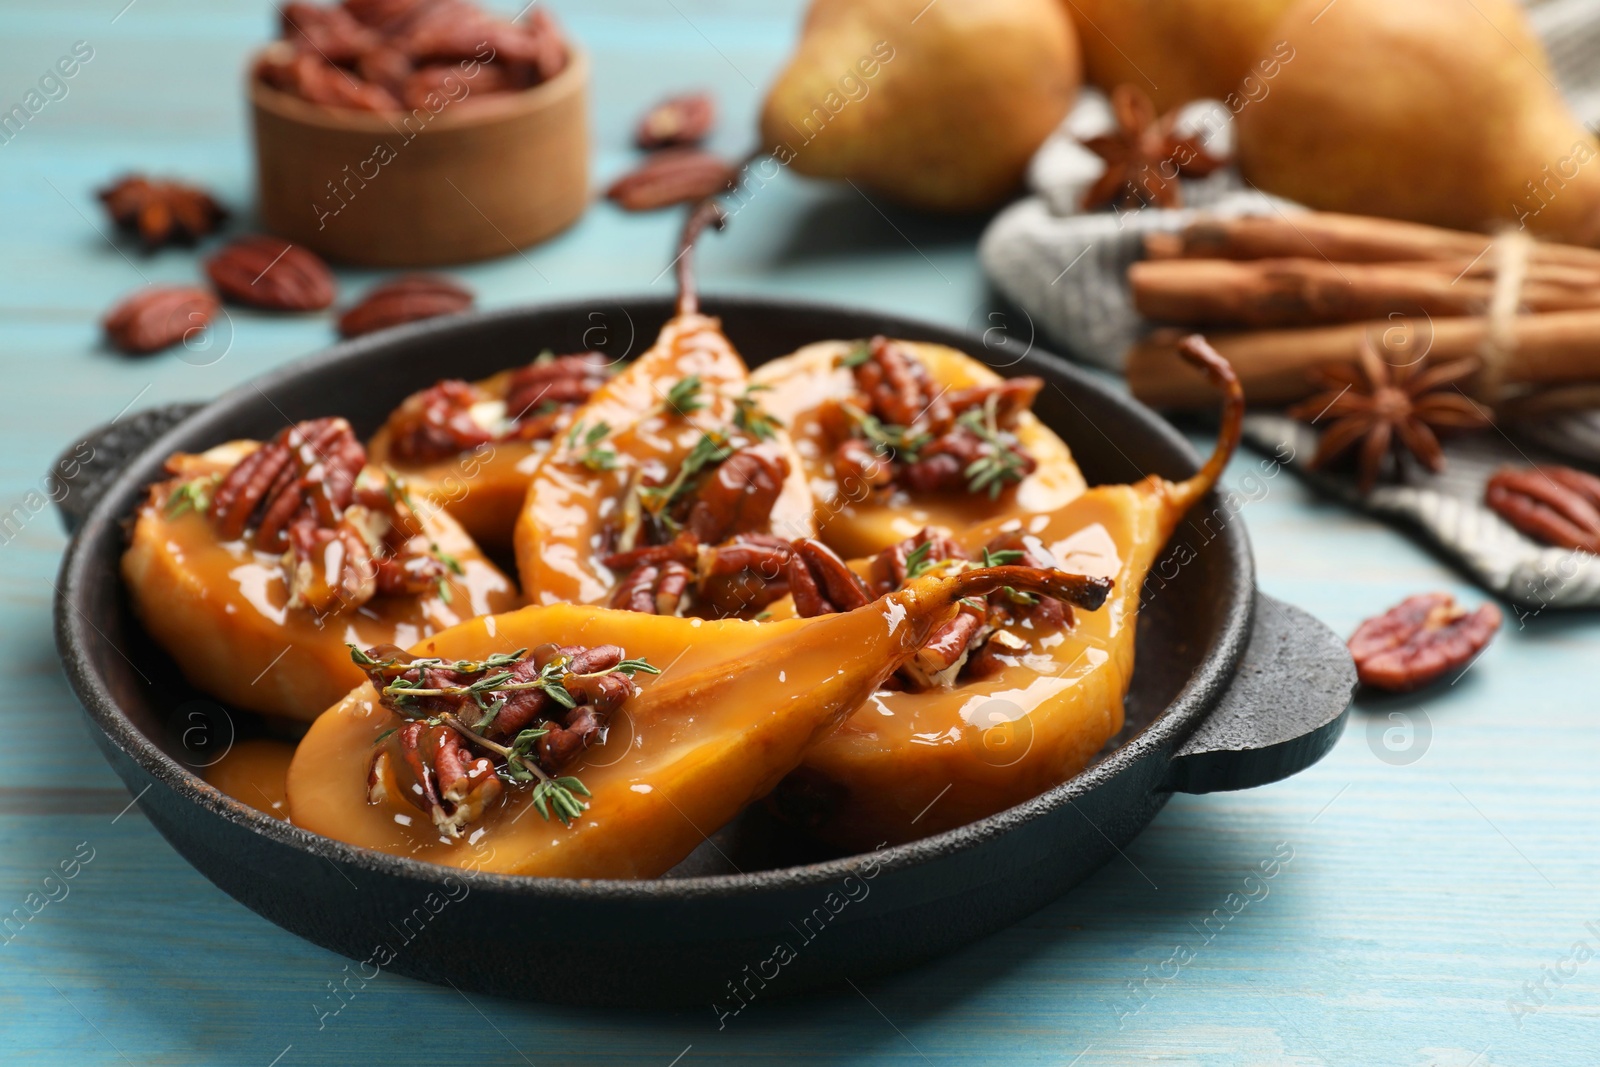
[706,212]
[1198,351]
[1080,590]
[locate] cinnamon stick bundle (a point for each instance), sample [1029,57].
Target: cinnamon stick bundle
[1554,348]
[1342,239]
[1300,292]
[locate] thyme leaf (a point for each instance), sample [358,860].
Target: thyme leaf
[592,456]
[684,397]
[1002,464]
[752,418]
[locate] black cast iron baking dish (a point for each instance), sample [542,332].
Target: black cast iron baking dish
[1232,690]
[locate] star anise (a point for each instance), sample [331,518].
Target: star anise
[162,212]
[1375,408]
[1144,156]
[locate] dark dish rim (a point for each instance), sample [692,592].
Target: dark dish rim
[1171,725]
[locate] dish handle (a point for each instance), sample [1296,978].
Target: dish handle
[87,468]
[1286,707]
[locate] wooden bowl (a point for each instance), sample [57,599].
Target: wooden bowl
[479,178]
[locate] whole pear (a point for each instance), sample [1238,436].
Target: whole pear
[1175,50]
[1436,111]
[936,105]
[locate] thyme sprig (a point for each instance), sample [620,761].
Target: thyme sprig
[900,442]
[1002,465]
[684,398]
[488,693]
[752,418]
[712,448]
[192,495]
[593,456]
[858,354]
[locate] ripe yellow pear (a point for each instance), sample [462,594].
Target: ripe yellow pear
[1436,111]
[1175,50]
[937,105]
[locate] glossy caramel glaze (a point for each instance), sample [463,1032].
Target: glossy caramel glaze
[569,508]
[857,523]
[220,608]
[255,773]
[736,705]
[481,487]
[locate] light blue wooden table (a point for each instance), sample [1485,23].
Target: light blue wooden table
[1439,905]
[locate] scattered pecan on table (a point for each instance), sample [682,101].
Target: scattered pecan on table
[1373,408]
[902,428]
[343,536]
[1419,640]
[270,273]
[676,122]
[473,728]
[1553,505]
[671,176]
[447,418]
[162,212]
[408,298]
[158,317]
[392,55]
[1144,156]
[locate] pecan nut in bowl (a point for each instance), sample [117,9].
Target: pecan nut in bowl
[159,317]
[409,298]
[253,563]
[272,274]
[1556,506]
[1420,640]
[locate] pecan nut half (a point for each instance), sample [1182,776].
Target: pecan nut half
[673,176]
[158,317]
[1557,506]
[678,121]
[270,273]
[408,298]
[1420,639]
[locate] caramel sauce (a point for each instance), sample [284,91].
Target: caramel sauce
[855,523]
[221,610]
[255,773]
[732,711]
[986,744]
[569,509]
[481,487]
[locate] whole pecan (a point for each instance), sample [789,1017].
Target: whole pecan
[441,777]
[158,317]
[408,298]
[307,75]
[307,471]
[744,574]
[673,176]
[654,588]
[548,386]
[821,582]
[1419,640]
[331,32]
[1554,505]
[270,273]
[388,68]
[677,121]
[739,495]
[162,212]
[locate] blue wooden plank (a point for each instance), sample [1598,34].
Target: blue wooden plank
[1426,901]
